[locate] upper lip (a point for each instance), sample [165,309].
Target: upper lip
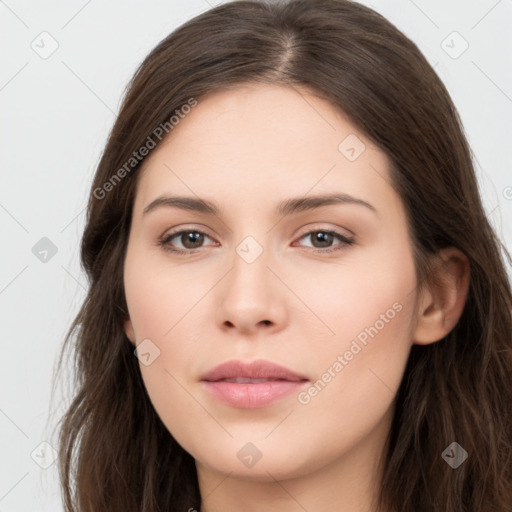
[259,369]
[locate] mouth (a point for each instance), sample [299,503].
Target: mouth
[251,385]
[245,380]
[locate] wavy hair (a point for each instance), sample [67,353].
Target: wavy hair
[115,454]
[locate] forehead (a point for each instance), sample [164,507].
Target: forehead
[250,114]
[255,141]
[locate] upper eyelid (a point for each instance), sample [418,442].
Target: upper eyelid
[309,230]
[341,237]
[172,234]
[314,226]
[335,231]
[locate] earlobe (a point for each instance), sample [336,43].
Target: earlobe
[128,329]
[442,303]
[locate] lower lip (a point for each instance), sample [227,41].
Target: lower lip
[252,396]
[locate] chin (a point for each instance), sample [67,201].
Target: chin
[267,464]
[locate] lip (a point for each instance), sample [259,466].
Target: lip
[271,382]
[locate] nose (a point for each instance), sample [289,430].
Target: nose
[251,298]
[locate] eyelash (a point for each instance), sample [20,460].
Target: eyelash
[164,241]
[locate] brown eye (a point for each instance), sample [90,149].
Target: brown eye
[322,240]
[189,240]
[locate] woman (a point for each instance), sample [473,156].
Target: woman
[285,230]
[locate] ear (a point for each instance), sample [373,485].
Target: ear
[440,305]
[128,329]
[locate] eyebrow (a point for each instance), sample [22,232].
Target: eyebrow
[286,207]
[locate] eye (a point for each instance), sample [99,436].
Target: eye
[190,239]
[193,239]
[324,239]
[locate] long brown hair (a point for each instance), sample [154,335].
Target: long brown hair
[115,454]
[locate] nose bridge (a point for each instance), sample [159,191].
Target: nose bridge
[250,275]
[249,295]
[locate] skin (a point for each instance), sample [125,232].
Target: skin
[247,149]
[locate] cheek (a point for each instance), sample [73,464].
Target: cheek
[369,310]
[358,375]
[160,295]
[360,293]
[159,302]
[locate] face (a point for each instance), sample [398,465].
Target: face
[323,288]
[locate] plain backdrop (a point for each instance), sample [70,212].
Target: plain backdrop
[64,67]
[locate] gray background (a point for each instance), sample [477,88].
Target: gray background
[57,111]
